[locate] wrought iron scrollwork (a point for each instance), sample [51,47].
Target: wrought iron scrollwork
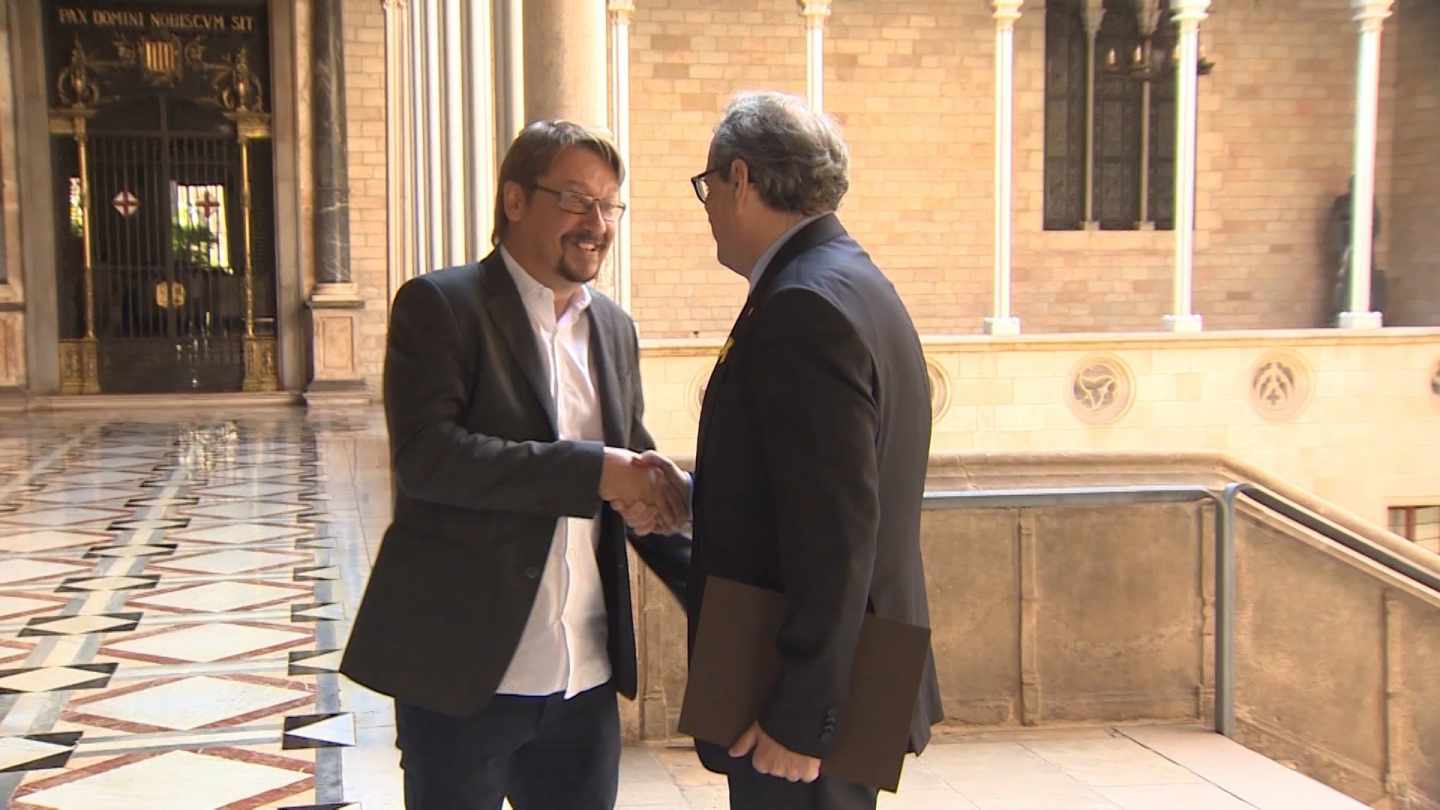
[237,88]
[78,84]
[163,58]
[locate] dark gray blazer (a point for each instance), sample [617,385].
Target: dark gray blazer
[479,481]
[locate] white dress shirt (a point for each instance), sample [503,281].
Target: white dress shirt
[763,263]
[563,646]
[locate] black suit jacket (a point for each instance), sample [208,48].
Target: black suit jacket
[480,480]
[814,441]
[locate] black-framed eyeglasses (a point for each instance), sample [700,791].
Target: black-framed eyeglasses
[576,203]
[701,185]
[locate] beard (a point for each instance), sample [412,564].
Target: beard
[583,271]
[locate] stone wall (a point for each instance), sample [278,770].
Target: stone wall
[912,82]
[1055,615]
[1352,417]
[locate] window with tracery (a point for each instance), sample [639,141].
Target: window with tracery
[1109,114]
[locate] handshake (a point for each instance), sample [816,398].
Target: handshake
[649,491]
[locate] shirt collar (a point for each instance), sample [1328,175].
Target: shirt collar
[763,263]
[533,292]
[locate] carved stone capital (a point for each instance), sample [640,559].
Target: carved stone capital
[814,12]
[1371,14]
[1147,12]
[622,11]
[1190,12]
[1092,14]
[1006,12]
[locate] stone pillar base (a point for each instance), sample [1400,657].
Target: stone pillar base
[1002,327]
[1361,320]
[13,400]
[261,370]
[12,343]
[323,394]
[335,326]
[1182,324]
[80,366]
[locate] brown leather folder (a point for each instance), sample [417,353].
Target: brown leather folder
[735,665]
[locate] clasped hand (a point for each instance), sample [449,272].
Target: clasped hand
[649,491]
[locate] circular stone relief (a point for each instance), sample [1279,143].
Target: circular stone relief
[697,391]
[939,390]
[1280,385]
[1101,389]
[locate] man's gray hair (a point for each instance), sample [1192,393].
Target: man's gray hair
[797,158]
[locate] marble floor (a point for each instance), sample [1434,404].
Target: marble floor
[175,587]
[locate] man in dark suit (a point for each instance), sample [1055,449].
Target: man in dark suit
[498,611]
[814,440]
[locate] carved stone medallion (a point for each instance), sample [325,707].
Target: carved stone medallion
[1280,385]
[939,390]
[696,399]
[1101,389]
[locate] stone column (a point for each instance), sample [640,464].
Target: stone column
[423,261]
[433,130]
[1094,13]
[622,13]
[510,70]
[565,76]
[399,213]
[335,304]
[1370,15]
[1187,14]
[1148,13]
[12,306]
[565,61]
[815,12]
[4,209]
[456,208]
[332,167]
[1006,13]
[483,140]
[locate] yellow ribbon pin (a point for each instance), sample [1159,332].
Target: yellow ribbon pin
[724,350]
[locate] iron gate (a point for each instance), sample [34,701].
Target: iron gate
[163,178]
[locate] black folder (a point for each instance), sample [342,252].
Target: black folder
[735,665]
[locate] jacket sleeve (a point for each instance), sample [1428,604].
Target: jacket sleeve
[434,457]
[668,555]
[810,393]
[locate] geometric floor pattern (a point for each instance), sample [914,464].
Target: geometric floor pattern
[169,612]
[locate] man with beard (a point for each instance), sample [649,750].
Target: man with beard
[498,611]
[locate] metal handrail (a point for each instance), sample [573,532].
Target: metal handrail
[1225,557]
[1320,525]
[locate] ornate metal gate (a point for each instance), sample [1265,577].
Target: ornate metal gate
[163,175]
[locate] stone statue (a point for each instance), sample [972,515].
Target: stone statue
[1339,248]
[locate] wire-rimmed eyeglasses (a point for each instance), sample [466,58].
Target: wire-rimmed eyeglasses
[576,203]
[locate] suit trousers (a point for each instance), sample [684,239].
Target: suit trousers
[543,753]
[752,790]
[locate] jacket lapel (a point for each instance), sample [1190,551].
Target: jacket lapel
[502,300]
[816,233]
[607,381]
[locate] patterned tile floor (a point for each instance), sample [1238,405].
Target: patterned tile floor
[174,589]
[168,612]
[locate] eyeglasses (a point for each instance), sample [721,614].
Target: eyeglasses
[576,203]
[701,185]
